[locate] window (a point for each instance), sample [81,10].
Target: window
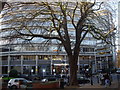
[16,80]
[88,42]
[15,57]
[85,50]
[88,49]
[29,58]
[91,49]
[55,57]
[44,57]
[4,58]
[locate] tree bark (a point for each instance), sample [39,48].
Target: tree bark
[73,70]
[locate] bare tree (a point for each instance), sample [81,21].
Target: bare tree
[50,20]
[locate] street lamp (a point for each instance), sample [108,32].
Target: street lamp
[32,71]
[53,71]
[44,72]
[91,73]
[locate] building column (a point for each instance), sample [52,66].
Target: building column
[8,64]
[65,63]
[78,64]
[0,73]
[68,68]
[114,57]
[36,67]
[101,63]
[0,66]
[51,63]
[21,64]
[107,61]
[95,60]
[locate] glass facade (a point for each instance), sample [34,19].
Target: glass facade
[23,56]
[50,56]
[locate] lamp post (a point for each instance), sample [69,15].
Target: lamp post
[53,71]
[91,80]
[44,72]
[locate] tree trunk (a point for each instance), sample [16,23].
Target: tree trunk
[73,70]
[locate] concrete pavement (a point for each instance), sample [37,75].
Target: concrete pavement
[115,83]
[98,86]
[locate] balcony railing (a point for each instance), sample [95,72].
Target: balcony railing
[40,62]
[104,55]
[15,62]
[29,62]
[40,53]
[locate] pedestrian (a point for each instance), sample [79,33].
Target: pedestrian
[62,83]
[97,78]
[110,76]
[118,77]
[68,77]
[101,77]
[107,80]
[107,83]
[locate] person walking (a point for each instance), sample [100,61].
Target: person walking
[62,83]
[107,80]
[101,77]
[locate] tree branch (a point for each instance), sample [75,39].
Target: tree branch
[42,36]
